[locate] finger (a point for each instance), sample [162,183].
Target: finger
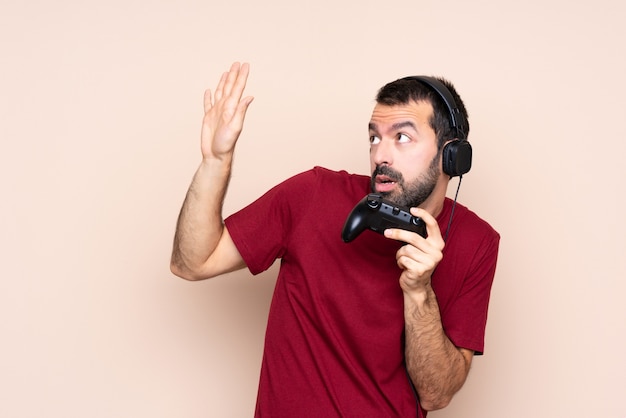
[408,237]
[416,267]
[231,77]
[425,251]
[242,109]
[412,268]
[219,91]
[412,258]
[240,81]
[208,101]
[432,226]
[425,215]
[399,234]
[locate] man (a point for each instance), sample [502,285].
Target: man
[384,326]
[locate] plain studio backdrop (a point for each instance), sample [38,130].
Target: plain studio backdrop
[100,111]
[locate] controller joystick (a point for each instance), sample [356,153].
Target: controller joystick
[373,203]
[377,214]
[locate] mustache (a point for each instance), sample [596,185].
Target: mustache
[385,170]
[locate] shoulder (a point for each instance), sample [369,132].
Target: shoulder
[328,180]
[339,175]
[467,223]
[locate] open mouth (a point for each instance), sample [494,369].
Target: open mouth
[384,183]
[385,179]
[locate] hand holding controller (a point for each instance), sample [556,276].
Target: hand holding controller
[375,213]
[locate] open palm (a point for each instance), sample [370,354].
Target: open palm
[224,113]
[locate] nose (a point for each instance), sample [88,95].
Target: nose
[382,153]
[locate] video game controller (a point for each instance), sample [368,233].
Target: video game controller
[375,213]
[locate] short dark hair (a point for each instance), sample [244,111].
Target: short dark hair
[404,90]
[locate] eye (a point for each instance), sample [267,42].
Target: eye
[402,138]
[374,140]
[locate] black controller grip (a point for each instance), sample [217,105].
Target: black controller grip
[377,214]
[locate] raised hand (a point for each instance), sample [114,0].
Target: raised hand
[224,113]
[202,247]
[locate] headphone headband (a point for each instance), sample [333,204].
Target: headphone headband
[457,154]
[456,118]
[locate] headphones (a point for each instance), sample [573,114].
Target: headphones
[456,154]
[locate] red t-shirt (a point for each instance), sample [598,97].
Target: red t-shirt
[333,343]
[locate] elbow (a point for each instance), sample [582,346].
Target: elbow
[185,273]
[183,267]
[435,403]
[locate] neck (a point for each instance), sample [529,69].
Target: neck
[434,203]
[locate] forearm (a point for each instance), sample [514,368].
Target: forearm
[437,368]
[200,224]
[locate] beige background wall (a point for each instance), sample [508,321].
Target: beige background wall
[99,119]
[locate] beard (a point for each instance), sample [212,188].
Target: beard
[408,194]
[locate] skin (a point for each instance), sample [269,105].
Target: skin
[405,167]
[202,246]
[402,140]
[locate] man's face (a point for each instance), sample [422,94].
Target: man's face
[404,158]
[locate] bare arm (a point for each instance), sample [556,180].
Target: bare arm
[202,246]
[437,367]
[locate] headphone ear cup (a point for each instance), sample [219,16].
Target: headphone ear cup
[457,157]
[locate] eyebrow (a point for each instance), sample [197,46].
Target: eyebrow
[395,127]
